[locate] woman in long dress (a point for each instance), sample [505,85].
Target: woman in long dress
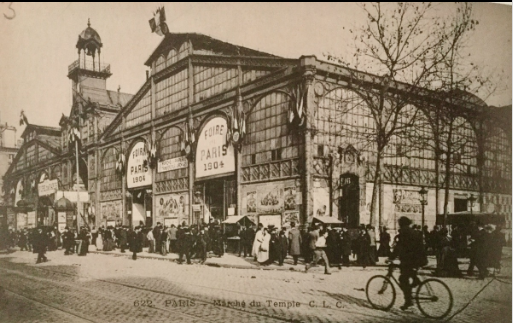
[99,240]
[258,241]
[263,250]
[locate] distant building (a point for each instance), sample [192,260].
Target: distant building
[8,150]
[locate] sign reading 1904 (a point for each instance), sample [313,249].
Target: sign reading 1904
[213,155]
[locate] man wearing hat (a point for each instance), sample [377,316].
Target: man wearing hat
[410,251]
[186,244]
[479,252]
[136,241]
[40,244]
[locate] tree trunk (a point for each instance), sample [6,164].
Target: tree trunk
[375,188]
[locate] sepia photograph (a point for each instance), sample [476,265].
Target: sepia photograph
[255,162]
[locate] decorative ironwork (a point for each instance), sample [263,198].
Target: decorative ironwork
[272,170]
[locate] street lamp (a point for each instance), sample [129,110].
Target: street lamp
[471,199]
[423,201]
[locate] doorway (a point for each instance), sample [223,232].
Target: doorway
[216,196]
[349,202]
[141,208]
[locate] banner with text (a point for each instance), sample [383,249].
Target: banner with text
[137,173]
[172,164]
[213,155]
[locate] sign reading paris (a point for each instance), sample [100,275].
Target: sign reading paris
[213,155]
[138,173]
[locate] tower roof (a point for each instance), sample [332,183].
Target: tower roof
[89,39]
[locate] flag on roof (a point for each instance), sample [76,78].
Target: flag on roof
[23,119]
[158,22]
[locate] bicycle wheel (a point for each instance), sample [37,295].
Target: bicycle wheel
[380,292]
[434,298]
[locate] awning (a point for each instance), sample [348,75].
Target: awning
[238,218]
[327,220]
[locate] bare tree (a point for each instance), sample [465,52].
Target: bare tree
[456,77]
[397,53]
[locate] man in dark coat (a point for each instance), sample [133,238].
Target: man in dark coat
[247,242]
[410,250]
[201,245]
[282,246]
[40,245]
[478,254]
[68,241]
[157,235]
[295,242]
[332,247]
[123,239]
[345,246]
[186,245]
[384,243]
[136,241]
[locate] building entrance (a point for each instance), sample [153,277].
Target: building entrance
[349,203]
[141,211]
[215,199]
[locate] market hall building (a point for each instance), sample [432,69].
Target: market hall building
[219,130]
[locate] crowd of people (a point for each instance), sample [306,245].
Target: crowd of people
[269,244]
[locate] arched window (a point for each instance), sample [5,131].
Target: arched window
[458,141]
[161,63]
[345,119]
[412,144]
[172,57]
[268,137]
[110,180]
[169,147]
[497,154]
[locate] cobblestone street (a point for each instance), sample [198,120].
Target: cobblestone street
[105,288]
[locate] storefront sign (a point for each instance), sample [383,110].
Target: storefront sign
[213,155]
[47,187]
[172,164]
[138,174]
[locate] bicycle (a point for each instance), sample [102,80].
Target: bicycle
[433,297]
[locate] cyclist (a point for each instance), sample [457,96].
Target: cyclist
[410,251]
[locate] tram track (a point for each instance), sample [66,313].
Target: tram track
[199,302]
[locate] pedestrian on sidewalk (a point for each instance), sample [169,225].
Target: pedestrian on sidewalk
[151,241]
[136,241]
[295,242]
[123,238]
[332,246]
[258,241]
[172,238]
[263,247]
[40,245]
[156,234]
[186,244]
[318,241]
[282,246]
[384,243]
[372,244]
[164,241]
[201,245]
[345,245]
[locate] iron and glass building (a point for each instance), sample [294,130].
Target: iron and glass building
[219,130]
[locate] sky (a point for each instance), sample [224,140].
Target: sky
[38,43]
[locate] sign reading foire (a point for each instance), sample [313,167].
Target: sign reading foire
[213,155]
[47,187]
[172,164]
[138,174]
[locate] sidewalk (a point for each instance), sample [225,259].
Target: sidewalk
[229,260]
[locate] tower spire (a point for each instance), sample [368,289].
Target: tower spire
[88,22]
